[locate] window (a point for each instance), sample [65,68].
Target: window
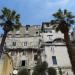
[23,63]
[12,53]
[25,43]
[14,43]
[54,60]
[52,50]
[35,57]
[50,37]
[24,52]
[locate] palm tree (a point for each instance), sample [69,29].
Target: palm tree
[63,21]
[9,21]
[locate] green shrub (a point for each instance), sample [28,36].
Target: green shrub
[23,71]
[52,71]
[40,69]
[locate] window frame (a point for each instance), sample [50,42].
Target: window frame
[25,43]
[54,60]
[35,57]
[14,43]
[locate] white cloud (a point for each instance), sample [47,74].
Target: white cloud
[61,3]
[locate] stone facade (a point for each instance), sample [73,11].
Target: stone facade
[23,45]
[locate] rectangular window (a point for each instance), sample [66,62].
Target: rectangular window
[24,52]
[23,63]
[14,43]
[25,43]
[54,60]
[35,57]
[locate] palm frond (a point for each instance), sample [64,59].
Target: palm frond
[52,22]
[63,19]
[58,14]
[11,19]
[6,12]
[71,21]
[65,11]
[1,16]
[17,18]
[13,14]
[2,24]
[17,27]
[57,28]
[70,16]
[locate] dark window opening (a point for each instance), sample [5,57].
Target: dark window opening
[23,63]
[35,57]
[14,43]
[24,53]
[25,43]
[54,60]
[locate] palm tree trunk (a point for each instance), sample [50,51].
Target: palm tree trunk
[71,50]
[3,41]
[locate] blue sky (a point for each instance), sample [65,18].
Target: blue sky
[37,11]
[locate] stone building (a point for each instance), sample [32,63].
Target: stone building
[55,51]
[24,44]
